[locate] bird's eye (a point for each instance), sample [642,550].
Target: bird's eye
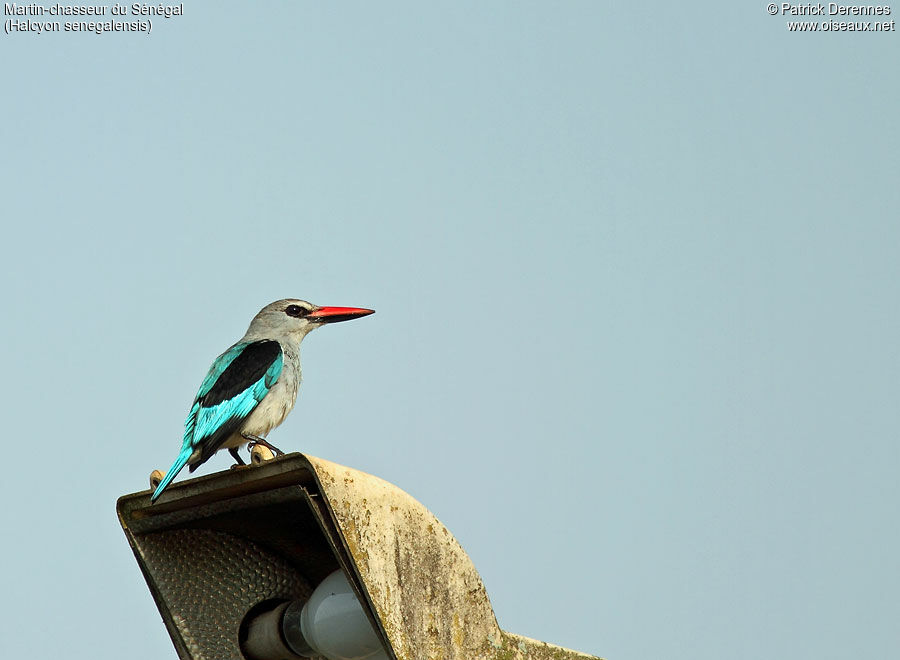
[296,310]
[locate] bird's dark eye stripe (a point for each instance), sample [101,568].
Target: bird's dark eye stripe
[296,310]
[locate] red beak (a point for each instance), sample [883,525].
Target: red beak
[335,314]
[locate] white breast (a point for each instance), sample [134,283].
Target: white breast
[276,405]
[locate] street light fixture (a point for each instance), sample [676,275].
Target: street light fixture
[300,557]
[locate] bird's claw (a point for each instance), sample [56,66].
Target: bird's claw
[254,440]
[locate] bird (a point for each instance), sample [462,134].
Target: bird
[252,386]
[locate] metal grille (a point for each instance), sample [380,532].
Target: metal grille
[209,580]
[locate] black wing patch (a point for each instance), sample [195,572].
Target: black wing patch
[244,370]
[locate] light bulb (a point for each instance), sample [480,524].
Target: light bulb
[334,624]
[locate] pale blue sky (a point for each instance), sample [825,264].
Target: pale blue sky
[635,270]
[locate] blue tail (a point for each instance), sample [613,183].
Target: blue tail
[180,462]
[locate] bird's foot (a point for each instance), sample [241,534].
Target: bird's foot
[256,440]
[234,454]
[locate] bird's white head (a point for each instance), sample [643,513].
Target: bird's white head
[291,319]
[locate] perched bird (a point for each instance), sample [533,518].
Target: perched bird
[252,386]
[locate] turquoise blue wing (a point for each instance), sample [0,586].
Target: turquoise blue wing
[236,383]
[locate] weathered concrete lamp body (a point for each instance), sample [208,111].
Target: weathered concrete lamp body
[232,560]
